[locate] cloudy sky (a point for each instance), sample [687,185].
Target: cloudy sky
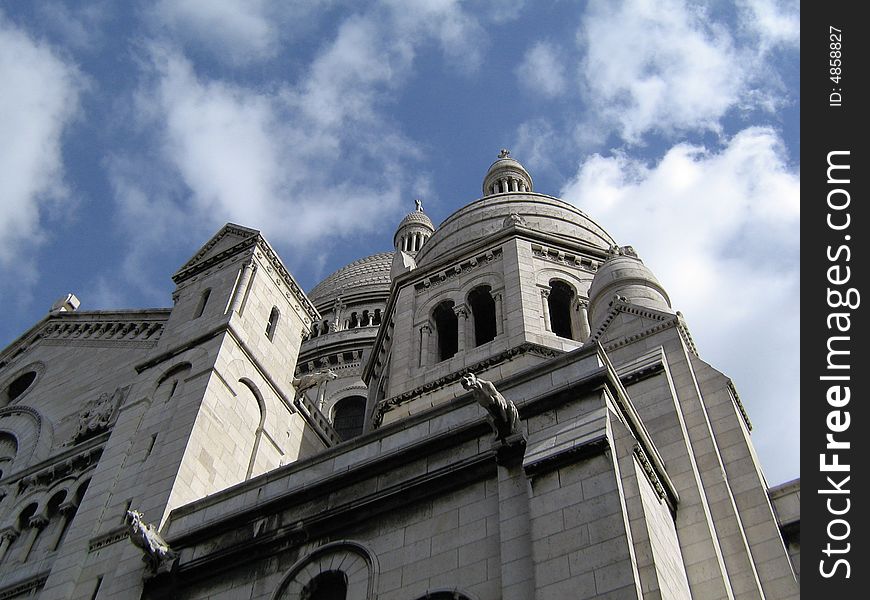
[130,132]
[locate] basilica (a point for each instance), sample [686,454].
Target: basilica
[505,406]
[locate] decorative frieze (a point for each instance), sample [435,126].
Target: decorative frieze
[139,331]
[77,463]
[564,258]
[457,269]
[108,538]
[650,472]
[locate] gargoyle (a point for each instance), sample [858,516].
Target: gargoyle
[157,553]
[310,380]
[503,415]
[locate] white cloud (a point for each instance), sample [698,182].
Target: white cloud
[720,229]
[774,22]
[237,31]
[541,71]
[40,99]
[659,66]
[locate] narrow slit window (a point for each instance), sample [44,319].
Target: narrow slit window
[272,325]
[203,300]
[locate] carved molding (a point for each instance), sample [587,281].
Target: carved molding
[388,404]
[565,258]
[77,463]
[457,269]
[108,538]
[736,397]
[24,588]
[650,472]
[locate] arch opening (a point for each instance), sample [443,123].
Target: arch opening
[349,416]
[446,330]
[483,311]
[559,305]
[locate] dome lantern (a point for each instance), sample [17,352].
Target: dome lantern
[413,231]
[506,175]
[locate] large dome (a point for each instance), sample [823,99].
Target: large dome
[369,274]
[487,216]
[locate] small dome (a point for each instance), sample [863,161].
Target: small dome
[624,274]
[417,217]
[506,175]
[413,231]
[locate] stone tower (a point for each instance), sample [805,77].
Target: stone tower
[205,408]
[507,406]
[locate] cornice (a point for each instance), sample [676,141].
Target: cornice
[384,406]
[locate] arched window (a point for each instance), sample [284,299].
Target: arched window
[377,318]
[171,384]
[203,300]
[559,304]
[18,386]
[446,330]
[329,585]
[353,320]
[483,310]
[349,416]
[272,325]
[8,450]
[444,595]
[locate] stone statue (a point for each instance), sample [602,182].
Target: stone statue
[419,204]
[505,153]
[503,413]
[310,380]
[157,552]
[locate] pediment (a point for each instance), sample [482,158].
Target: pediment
[626,322]
[228,237]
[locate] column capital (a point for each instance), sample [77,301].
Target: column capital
[9,534]
[38,521]
[461,310]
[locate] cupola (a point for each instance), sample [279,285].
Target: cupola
[506,175]
[413,231]
[624,274]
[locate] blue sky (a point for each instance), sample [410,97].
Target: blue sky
[132,131]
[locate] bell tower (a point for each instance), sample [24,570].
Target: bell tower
[210,406]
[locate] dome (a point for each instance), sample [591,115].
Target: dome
[488,215]
[506,174]
[369,274]
[413,231]
[417,217]
[624,274]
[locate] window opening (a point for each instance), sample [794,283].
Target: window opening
[349,417]
[447,328]
[483,310]
[203,300]
[329,585]
[272,325]
[559,303]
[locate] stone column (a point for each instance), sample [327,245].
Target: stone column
[581,308]
[499,314]
[241,290]
[545,307]
[7,536]
[425,331]
[461,312]
[35,524]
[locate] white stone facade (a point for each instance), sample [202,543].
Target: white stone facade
[320,447]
